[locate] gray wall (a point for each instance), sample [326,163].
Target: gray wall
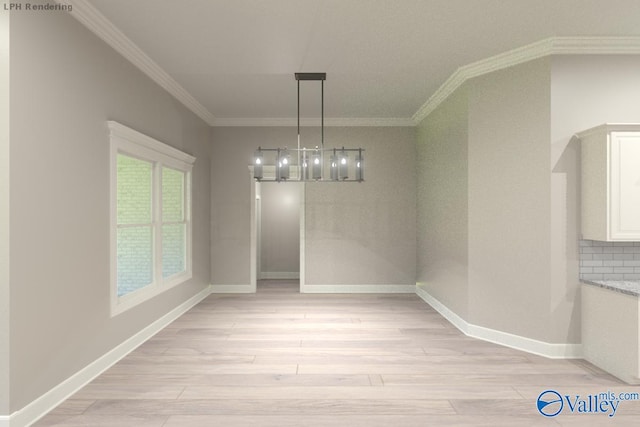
[509,212]
[443,203]
[232,153]
[280,225]
[4,214]
[522,171]
[364,233]
[355,233]
[483,203]
[65,84]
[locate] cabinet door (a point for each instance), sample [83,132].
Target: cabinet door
[624,183]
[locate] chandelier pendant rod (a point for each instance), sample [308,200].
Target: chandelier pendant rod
[300,176]
[322,124]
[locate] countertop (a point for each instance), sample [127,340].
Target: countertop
[629,287]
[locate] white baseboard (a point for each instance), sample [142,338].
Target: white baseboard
[45,403]
[232,289]
[357,289]
[452,317]
[541,348]
[284,275]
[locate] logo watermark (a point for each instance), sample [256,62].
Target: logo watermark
[18,7]
[551,403]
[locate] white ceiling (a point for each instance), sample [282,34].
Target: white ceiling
[383,58]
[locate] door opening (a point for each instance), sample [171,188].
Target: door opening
[277,247]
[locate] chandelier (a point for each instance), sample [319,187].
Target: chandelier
[309,164]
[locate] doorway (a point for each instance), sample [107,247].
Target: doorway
[278,223]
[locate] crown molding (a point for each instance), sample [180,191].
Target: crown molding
[91,18]
[546,47]
[310,122]
[595,46]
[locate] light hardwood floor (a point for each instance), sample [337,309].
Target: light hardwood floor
[280,358]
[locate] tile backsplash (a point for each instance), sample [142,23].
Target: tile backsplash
[609,260]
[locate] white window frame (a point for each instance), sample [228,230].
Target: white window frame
[124,140]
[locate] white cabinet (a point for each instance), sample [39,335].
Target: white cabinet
[613,348]
[611,182]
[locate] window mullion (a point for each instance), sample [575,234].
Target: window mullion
[187,218]
[173,222]
[157,222]
[135,225]
[187,191]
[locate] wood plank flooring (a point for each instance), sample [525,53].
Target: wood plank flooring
[280,358]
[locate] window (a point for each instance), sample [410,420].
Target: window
[150,217]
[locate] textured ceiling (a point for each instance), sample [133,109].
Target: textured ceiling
[383,58]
